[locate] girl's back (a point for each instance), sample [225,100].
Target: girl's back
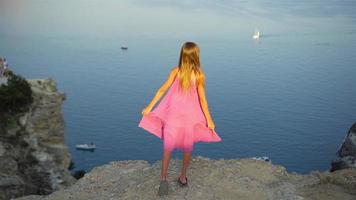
[179,106]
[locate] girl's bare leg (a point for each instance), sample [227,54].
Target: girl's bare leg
[186,160]
[166,157]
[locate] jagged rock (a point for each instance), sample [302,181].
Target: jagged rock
[33,156]
[208,179]
[346,155]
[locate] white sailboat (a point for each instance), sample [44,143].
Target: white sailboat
[256,35]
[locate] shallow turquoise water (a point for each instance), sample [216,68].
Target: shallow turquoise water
[289,96]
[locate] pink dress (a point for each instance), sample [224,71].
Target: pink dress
[179,120]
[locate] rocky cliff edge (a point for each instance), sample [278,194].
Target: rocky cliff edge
[208,179]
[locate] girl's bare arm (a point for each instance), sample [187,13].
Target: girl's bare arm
[204,103]
[163,88]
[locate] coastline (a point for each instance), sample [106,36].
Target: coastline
[33,156]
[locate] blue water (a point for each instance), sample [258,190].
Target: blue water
[289,96]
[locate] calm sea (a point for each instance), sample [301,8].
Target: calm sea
[289,96]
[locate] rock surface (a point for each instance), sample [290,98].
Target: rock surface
[33,156]
[346,156]
[208,179]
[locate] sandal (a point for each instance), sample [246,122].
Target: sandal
[163,188]
[181,183]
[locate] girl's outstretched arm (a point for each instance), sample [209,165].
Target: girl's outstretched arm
[161,90]
[204,106]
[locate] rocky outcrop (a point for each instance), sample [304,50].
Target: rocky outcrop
[208,179]
[346,155]
[33,156]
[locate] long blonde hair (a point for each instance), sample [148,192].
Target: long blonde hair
[189,62]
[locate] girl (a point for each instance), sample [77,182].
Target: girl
[182,118]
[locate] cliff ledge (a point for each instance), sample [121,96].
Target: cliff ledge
[208,179]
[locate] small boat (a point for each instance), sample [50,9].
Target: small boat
[124,47]
[256,35]
[263,158]
[90,147]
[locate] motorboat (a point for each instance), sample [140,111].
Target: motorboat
[124,47]
[262,158]
[90,147]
